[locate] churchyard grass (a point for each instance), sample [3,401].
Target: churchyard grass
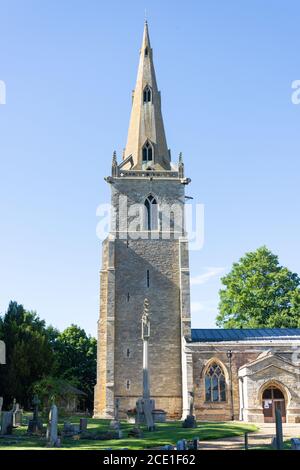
[166,433]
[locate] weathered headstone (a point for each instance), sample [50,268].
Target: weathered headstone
[17,416]
[35,425]
[115,429]
[181,445]
[83,424]
[6,423]
[71,429]
[295,444]
[52,435]
[195,443]
[136,432]
[115,424]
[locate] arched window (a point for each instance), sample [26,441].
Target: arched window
[146,51]
[147,152]
[215,385]
[151,221]
[147,94]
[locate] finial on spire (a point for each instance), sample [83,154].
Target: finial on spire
[180,166]
[114,164]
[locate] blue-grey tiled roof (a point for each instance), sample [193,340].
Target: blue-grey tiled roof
[243,334]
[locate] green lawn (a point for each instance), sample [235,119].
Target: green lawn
[166,433]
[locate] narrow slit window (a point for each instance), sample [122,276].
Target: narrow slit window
[128,384]
[128,353]
[128,297]
[148,278]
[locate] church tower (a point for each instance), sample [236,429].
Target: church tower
[145,256]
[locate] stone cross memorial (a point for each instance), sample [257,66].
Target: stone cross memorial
[35,425]
[145,404]
[190,420]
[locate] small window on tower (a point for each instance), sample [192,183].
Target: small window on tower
[147,152]
[128,353]
[128,384]
[146,51]
[148,278]
[147,94]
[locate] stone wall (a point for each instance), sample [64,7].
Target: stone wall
[243,353]
[126,260]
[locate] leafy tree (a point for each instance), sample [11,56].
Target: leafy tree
[76,358]
[40,354]
[29,355]
[259,293]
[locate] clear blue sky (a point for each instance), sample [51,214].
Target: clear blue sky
[225,71]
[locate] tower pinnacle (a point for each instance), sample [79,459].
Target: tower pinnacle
[146,141]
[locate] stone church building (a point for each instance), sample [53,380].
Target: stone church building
[233,374]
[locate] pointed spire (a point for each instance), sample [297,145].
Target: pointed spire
[146,140]
[146,38]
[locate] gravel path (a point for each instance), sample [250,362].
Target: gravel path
[259,438]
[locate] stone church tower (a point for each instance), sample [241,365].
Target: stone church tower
[145,256]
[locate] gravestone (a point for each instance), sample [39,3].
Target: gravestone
[115,425]
[35,425]
[17,416]
[71,429]
[195,443]
[6,423]
[295,444]
[190,420]
[52,435]
[181,445]
[83,424]
[136,432]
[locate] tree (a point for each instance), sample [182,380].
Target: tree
[29,355]
[259,293]
[36,352]
[76,355]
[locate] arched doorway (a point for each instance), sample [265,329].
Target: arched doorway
[273,399]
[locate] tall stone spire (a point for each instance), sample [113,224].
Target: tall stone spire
[146,141]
